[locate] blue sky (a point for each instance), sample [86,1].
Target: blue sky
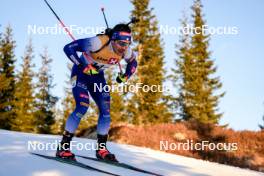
[239,57]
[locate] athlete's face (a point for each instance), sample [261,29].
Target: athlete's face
[120,46]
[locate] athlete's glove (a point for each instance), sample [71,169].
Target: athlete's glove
[90,70]
[121,78]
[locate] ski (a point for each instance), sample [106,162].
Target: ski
[119,164]
[74,163]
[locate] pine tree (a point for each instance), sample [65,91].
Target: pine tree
[45,101]
[25,100]
[197,90]
[181,75]
[56,128]
[148,107]
[7,78]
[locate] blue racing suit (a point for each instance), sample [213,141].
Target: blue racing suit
[101,56]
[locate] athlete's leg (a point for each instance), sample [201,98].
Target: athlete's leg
[102,100]
[81,96]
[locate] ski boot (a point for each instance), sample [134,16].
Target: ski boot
[63,150]
[102,153]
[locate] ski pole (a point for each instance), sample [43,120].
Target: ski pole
[62,24]
[119,65]
[66,29]
[102,9]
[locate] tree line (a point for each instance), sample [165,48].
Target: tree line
[28,105]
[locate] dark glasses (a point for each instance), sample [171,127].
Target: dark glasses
[123,44]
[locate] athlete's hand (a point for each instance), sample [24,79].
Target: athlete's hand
[121,78]
[90,70]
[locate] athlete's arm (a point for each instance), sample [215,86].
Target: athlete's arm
[130,58]
[81,45]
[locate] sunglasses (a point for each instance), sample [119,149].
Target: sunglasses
[122,44]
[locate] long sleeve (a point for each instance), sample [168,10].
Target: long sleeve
[72,48]
[131,68]
[82,45]
[130,58]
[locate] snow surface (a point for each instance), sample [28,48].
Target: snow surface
[16,160]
